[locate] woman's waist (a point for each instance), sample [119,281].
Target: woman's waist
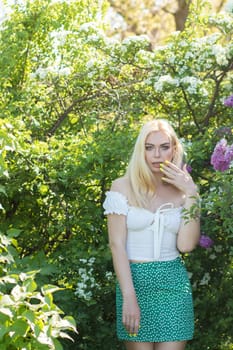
[150,252]
[146,259]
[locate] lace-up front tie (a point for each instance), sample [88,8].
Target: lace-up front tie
[158,228]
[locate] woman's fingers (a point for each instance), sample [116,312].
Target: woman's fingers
[131,324]
[180,178]
[131,315]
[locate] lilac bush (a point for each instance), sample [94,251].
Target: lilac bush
[229,101]
[205,241]
[222,155]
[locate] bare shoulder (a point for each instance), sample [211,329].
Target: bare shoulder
[121,185]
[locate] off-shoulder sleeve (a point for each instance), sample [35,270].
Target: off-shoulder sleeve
[115,203]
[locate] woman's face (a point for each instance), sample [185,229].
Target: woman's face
[158,148]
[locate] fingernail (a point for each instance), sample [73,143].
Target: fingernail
[167,161]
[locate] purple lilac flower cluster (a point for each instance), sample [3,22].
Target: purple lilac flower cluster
[229,101]
[222,155]
[189,168]
[205,241]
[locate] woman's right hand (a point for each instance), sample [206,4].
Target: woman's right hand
[131,315]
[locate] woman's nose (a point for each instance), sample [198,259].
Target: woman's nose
[156,152]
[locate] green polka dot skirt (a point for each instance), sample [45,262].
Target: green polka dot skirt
[165,299]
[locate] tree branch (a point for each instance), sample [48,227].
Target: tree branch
[63,116]
[210,111]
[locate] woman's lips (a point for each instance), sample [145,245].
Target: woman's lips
[156,164]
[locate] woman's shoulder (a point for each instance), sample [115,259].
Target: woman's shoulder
[121,185]
[116,201]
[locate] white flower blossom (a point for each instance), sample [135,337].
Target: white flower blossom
[90,63]
[87,281]
[146,56]
[222,60]
[85,27]
[148,81]
[191,84]
[60,36]
[93,38]
[41,72]
[134,39]
[161,48]
[90,75]
[223,21]
[204,92]
[109,275]
[205,279]
[188,55]
[91,261]
[64,71]
[218,248]
[81,270]
[213,256]
[220,54]
[165,80]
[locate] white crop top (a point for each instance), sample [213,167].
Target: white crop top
[151,236]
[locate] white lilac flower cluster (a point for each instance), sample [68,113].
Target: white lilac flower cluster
[192,84]
[205,279]
[86,282]
[54,69]
[165,81]
[223,21]
[136,39]
[221,54]
[59,37]
[185,69]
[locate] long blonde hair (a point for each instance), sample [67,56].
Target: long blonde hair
[140,176]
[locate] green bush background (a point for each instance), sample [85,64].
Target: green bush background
[72,101]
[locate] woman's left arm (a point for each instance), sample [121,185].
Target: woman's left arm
[189,232]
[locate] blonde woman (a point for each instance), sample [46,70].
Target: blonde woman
[149,225]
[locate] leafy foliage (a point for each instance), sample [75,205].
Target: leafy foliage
[72,101]
[29,318]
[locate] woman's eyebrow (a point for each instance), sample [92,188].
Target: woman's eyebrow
[162,144]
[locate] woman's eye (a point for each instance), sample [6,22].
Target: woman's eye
[149,148]
[165,147]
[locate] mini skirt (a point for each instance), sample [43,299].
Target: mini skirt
[164,296]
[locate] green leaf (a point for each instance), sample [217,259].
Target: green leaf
[30,316]
[49,288]
[30,285]
[6,300]
[13,232]
[6,311]
[57,345]
[20,327]
[3,190]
